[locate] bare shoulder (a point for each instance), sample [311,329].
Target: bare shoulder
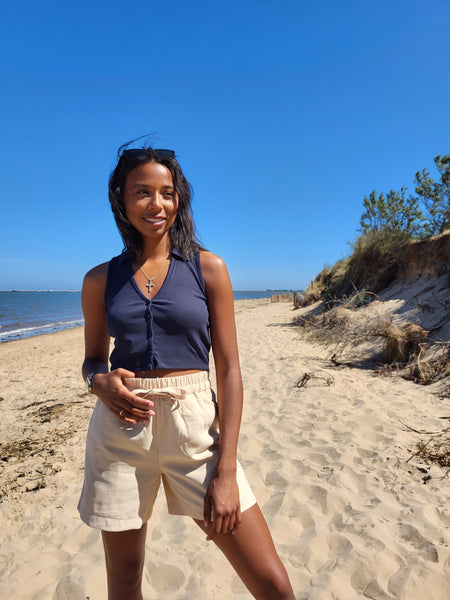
[212,265]
[95,279]
[215,274]
[96,334]
[219,294]
[97,273]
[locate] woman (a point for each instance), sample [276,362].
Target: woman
[165,300]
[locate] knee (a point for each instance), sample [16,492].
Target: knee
[125,575]
[277,586]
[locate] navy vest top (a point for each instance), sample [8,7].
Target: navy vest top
[170,331]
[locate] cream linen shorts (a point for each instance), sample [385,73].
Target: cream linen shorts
[125,463]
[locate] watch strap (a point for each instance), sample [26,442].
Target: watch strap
[89,379]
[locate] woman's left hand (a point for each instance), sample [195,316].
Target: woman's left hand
[222,500]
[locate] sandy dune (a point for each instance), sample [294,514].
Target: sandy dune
[351,517]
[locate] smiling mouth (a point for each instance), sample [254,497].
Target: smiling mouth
[154,220]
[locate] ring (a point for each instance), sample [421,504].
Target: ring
[121,413]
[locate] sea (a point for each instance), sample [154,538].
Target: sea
[28,313]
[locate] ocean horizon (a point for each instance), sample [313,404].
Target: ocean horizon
[26,313]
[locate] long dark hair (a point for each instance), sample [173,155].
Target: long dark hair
[182,233]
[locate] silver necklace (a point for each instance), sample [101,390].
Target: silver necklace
[150,283]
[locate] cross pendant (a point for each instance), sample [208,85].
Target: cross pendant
[150,284]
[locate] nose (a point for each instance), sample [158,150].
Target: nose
[155,200]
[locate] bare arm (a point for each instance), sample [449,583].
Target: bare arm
[108,386]
[96,338]
[223,494]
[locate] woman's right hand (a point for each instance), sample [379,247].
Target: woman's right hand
[111,390]
[108,386]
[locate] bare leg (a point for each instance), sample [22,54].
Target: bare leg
[124,554]
[252,554]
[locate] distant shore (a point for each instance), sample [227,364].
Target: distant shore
[36,312]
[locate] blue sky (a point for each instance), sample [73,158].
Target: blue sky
[284,115]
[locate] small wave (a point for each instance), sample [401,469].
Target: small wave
[23,332]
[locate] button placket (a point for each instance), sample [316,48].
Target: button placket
[150,334]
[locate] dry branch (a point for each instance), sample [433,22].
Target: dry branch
[302,382]
[435,450]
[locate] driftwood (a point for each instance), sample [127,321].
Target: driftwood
[436,449]
[324,377]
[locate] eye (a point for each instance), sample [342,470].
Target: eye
[169,194]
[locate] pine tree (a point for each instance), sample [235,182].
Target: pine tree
[435,195]
[395,213]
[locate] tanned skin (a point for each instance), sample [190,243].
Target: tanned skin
[151,204]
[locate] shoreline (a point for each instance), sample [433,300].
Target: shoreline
[57,326]
[330,464]
[40,335]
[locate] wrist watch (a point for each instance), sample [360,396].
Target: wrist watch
[89,379]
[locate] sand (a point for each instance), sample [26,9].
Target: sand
[352,514]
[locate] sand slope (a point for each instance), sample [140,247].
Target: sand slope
[352,519]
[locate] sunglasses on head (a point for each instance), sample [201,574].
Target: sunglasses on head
[142,153]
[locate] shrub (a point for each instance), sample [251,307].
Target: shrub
[402,343]
[373,263]
[372,266]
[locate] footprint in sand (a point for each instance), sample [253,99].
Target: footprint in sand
[67,588]
[398,580]
[411,535]
[311,549]
[447,565]
[339,545]
[374,591]
[165,579]
[363,581]
[273,505]
[312,495]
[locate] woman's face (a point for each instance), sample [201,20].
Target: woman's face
[151,202]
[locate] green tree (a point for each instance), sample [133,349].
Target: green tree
[435,195]
[395,213]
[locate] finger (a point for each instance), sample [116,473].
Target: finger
[225,527]
[214,528]
[125,373]
[142,412]
[131,414]
[207,511]
[139,401]
[231,523]
[217,525]
[237,521]
[125,416]
[135,400]
[133,403]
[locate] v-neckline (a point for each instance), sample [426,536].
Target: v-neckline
[136,285]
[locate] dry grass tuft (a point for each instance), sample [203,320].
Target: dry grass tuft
[432,364]
[378,258]
[313,292]
[436,450]
[401,349]
[401,343]
[344,327]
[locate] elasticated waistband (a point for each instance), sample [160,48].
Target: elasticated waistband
[194,382]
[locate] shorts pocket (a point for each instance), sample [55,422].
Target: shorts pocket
[199,428]
[108,433]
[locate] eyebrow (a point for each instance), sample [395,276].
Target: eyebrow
[166,187]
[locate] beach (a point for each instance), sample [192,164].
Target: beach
[353,514]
